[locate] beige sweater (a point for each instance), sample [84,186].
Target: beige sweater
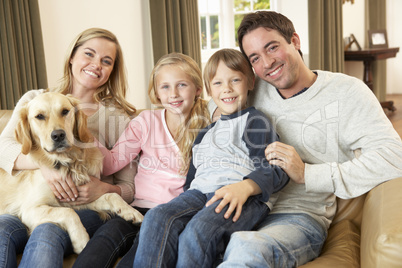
[106,125]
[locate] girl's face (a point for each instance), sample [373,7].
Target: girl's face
[229,89]
[175,90]
[92,64]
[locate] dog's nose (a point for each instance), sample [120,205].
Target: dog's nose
[58,135]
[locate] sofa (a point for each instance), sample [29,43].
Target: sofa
[366,231]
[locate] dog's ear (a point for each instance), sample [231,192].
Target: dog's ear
[74,101]
[81,131]
[23,131]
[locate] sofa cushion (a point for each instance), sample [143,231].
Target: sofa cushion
[381,244]
[341,249]
[5,116]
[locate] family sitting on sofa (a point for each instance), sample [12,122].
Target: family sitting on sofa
[250,179]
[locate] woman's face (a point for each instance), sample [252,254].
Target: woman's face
[92,64]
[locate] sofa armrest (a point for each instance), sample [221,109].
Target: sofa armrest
[381,233]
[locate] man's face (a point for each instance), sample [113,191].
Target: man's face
[273,59]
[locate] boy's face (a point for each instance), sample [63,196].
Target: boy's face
[229,89]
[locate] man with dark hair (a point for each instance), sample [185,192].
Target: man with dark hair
[335,141]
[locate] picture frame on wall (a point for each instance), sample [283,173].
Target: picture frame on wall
[378,39]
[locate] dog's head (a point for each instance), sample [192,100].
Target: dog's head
[52,122]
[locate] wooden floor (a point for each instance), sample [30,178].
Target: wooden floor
[396,116]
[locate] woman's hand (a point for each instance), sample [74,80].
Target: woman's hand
[91,191]
[286,157]
[63,188]
[234,195]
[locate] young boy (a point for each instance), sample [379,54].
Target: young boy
[228,163]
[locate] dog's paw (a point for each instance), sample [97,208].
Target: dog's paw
[79,244]
[131,214]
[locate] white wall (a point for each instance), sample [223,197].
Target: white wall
[297,12]
[129,20]
[353,23]
[63,20]
[394,33]
[353,13]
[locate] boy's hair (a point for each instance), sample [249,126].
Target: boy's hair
[198,117]
[234,60]
[269,20]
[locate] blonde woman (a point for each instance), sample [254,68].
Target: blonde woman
[94,73]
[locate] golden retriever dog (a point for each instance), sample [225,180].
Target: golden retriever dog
[54,133]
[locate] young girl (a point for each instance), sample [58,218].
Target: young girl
[228,157]
[163,138]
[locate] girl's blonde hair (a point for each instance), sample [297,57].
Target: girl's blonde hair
[198,117]
[115,89]
[234,60]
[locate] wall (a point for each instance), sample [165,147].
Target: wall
[353,13]
[63,20]
[297,12]
[129,20]
[394,65]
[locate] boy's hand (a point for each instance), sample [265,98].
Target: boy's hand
[234,195]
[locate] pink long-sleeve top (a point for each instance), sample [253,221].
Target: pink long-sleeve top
[158,179]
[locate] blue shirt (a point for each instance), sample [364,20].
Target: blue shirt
[233,149]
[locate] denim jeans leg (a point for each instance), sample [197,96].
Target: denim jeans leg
[91,220]
[282,240]
[208,232]
[13,237]
[111,240]
[159,234]
[128,259]
[48,243]
[45,247]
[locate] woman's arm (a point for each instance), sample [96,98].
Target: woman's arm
[10,149]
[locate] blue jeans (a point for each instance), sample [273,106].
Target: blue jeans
[47,244]
[282,240]
[128,259]
[185,233]
[112,240]
[13,237]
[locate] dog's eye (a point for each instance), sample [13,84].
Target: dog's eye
[65,112]
[40,117]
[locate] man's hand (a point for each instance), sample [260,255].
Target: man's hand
[286,157]
[234,195]
[63,188]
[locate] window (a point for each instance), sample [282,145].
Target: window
[219,20]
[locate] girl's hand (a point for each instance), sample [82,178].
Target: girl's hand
[234,195]
[286,157]
[89,192]
[63,188]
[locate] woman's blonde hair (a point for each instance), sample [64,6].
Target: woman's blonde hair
[115,89]
[198,117]
[234,60]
